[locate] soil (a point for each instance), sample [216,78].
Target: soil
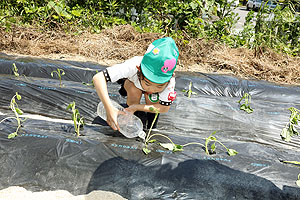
[115,45]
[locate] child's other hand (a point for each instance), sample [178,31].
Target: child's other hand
[131,109]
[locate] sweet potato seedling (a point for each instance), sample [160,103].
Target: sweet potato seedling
[176,147]
[78,121]
[290,128]
[189,92]
[246,106]
[16,73]
[17,111]
[60,73]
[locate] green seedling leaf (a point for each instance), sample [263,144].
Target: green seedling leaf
[12,135]
[20,112]
[213,147]
[18,96]
[178,147]
[146,151]
[151,141]
[246,106]
[168,146]
[232,152]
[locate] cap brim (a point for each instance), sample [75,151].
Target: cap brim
[155,78]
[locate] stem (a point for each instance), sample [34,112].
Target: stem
[157,134]
[148,135]
[192,143]
[7,118]
[75,124]
[222,145]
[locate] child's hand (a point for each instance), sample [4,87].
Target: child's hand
[131,109]
[111,118]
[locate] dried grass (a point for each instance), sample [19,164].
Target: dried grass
[122,42]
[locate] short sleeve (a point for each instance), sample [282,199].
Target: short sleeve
[123,70]
[168,95]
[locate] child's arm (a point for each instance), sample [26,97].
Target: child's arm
[101,89]
[147,108]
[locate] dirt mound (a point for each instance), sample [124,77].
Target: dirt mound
[122,42]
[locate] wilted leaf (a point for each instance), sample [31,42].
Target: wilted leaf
[151,141]
[232,152]
[12,135]
[146,151]
[168,146]
[285,135]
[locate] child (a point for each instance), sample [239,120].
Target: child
[151,75]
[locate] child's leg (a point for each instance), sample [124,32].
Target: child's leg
[150,116]
[134,97]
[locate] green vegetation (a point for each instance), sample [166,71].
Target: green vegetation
[189,91]
[290,128]
[246,106]
[183,20]
[17,111]
[175,147]
[78,121]
[59,73]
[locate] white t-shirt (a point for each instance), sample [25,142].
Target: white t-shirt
[129,70]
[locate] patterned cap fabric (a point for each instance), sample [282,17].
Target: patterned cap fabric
[160,59]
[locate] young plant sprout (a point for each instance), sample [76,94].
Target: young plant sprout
[88,84]
[78,121]
[246,106]
[17,111]
[189,91]
[15,71]
[175,147]
[290,128]
[60,73]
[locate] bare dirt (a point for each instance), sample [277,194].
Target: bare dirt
[115,45]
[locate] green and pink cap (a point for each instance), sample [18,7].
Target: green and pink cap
[159,61]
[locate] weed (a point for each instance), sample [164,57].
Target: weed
[17,111]
[78,121]
[290,130]
[246,106]
[60,73]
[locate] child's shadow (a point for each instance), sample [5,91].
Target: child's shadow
[99,120]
